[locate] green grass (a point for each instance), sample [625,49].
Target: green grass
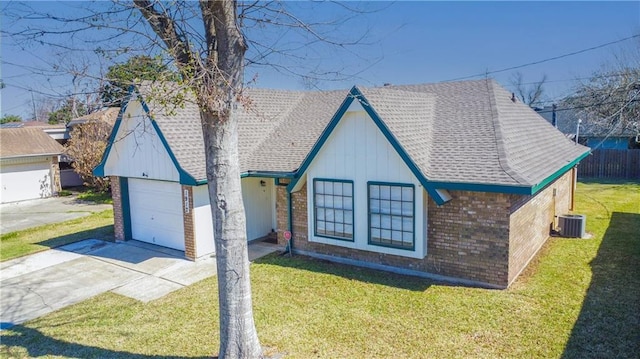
[577,299]
[17,244]
[91,195]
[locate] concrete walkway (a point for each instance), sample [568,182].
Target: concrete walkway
[27,214]
[41,283]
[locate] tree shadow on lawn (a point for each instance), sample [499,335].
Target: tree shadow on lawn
[609,322]
[367,275]
[104,233]
[37,344]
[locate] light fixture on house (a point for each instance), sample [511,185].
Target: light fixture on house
[263,183]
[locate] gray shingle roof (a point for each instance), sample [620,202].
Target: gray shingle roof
[460,132]
[25,142]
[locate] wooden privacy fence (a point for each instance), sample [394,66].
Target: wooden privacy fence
[606,163]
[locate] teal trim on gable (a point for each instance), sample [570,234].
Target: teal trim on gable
[267,174]
[126,207]
[355,93]
[185,178]
[558,173]
[99,170]
[323,137]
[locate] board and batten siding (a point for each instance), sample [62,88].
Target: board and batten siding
[357,151]
[138,151]
[203,222]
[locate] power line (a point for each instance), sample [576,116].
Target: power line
[545,60]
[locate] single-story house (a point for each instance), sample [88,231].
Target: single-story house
[591,131]
[454,181]
[28,164]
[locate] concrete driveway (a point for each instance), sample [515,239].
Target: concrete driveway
[27,214]
[38,284]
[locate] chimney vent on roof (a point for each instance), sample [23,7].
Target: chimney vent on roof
[513,97]
[386,84]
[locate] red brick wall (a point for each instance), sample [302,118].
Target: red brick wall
[190,250]
[531,220]
[118,220]
[478,236]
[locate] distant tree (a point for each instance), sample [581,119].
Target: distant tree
[86,146]
[70,109]
[10,118]
[610,99]
[529,93]
[120,77]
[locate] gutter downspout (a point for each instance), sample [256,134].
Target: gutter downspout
[290,222]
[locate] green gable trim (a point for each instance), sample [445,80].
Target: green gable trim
[185,178]
[559,173]
[355,93]
[267,174]
[510,189]
[323,138]
[99,170]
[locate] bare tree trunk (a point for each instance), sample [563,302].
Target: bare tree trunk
[238,336]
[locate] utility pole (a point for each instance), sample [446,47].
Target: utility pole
[554,122]
[33,102]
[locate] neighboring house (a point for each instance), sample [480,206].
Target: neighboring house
[28,164]
[68,176]
[592,132]
[452,181]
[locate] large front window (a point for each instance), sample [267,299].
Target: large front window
[391,215]
[333,208]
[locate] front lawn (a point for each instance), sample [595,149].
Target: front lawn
[17,244]
[578,299]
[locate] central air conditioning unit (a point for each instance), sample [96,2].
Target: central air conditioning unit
[572,225]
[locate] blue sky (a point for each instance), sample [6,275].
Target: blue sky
[416,42]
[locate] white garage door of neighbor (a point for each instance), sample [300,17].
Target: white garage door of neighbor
[25,181]
[156,213]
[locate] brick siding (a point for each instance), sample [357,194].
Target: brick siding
[190,250]
[118,220]
[532,219]
[477,236]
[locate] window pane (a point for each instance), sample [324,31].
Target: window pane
[396,193]
[375,233]
[348,229]
[328,201]
[375,220]
[407,209]
[337,202]
[407,237]
[385,235]
[347,202]
[348,217]
[385,207]
[374,191]
[339,216]
[385,192]
[328,188]
[407,224]
[339,228]
[396,223]
[320,226]
[347,189]
[396,207]
[330,227]
[407,194]
[320,214]
[396,236]
[375,206]
[337,188]
[319,187]
[385,222]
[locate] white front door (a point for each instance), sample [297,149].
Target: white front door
[156,212]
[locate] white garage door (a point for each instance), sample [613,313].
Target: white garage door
[24,181]
[156,212]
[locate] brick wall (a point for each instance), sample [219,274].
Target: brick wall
[478,236]
[531,220]
[55,176]
[118,220]
[190,250]
[468,237]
